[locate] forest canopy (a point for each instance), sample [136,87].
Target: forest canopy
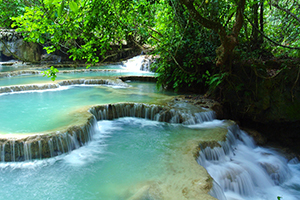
[198,41]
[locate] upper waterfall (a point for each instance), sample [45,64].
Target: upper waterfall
[137,64]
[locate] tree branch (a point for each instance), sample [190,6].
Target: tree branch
[173,57]
[200,19]
[239,18]
[285,10]
[272,41]
[13,54]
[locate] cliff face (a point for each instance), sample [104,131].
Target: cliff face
[266,97]
[13,45]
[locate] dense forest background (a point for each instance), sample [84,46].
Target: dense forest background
[198,41]
[244,53]
[225,47]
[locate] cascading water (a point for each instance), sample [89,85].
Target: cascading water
[122,157]
[137,64]
[242,170]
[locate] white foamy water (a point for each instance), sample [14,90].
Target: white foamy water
[207,124]
[244,171]
[122,154]
[134,64]
[127,152]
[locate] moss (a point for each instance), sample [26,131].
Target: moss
[292,111]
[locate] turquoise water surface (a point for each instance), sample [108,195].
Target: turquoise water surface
[33,79]
[38,111]
[125,156]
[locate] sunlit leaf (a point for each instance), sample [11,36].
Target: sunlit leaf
[74,7]
[62,5]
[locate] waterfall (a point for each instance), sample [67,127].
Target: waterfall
[18,73]
[46,146]
[21,88]
[12,150]
[117,82]
[242,170]
[42,87]
[57,143]
[134,64]
[3,153]
[27,151]
[40,149]
[140,63]
[152,112]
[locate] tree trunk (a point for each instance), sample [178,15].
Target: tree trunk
[261,21]
[254,36]
[228,41]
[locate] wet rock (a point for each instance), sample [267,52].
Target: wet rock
[148,61]
[138,78]
[18,88]
[201,101]
[258,137]
[24,51]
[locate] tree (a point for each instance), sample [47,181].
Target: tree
[228,40]
[85,30]
[9,9]
[186,48]
[197,40]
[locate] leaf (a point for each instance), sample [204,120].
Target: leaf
[62,5]
[74,7]
[232,10]
[42,40]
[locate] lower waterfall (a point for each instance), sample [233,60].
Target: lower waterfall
[132,153]
[242,170]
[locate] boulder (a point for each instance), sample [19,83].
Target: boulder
[25,51]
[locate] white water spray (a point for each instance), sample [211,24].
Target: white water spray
[244,171]
[137,64]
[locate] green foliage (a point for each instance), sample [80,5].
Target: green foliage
[215,80]
[279,198]
[89,31]
[9,9]
[51,73]
[284,28]
[85,30]
[73,6]
[186,49]
[278,25]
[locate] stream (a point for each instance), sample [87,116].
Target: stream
[138,150]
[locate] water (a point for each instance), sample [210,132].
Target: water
[9,68]
[38,111]
[128,68]
[126,156]
[130,158]
[109,67]
[242,170]
[134,64]
[30,79]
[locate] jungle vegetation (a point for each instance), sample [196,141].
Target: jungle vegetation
[200,42]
